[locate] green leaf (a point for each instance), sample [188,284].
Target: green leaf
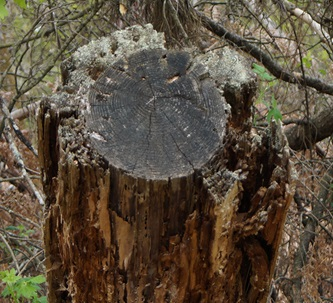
[266,76]
[18,287]
[307,60]
[12,228]
[26,289]
[9,277]
[323,72]
[41,299]
[6,292]
[3,9]
[274,112]
[258,68]
[21,3]
[261,72]
[38,279]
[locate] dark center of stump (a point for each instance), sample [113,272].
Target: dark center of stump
[155,116]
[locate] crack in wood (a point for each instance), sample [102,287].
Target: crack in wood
[153,106]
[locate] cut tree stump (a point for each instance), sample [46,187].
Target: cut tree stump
[158,188]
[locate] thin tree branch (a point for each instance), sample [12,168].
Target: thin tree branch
[264,58]
[175,17]
[48,69]
[11,252]
[304,16]
[50,30]
[25,111]
[11,212]
[15,127]
[30,260]
[20,163]
[304,135]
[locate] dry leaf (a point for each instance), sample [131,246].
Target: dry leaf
[122,9]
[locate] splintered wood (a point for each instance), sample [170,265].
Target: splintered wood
[158,189]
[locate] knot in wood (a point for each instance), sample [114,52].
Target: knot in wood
[156,116]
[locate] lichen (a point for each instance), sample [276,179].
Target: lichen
[227,67]
[136,38]
[105,51]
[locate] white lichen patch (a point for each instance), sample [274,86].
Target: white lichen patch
[136,38]
[227,66]
[86,55]
[105,51]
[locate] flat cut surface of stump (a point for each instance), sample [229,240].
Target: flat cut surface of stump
[156,115]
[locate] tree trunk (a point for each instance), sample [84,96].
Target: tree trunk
[158,190]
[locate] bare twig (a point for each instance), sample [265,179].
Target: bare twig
[11,252]
[20,163]
[30,260]
[304,16]
[15,127]
[19,240]
[65,47]
[261,56]
[176,19]
[50,30]
[16,178]
[25,219]
[25,111]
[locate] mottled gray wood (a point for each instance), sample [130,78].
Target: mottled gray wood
[155,115]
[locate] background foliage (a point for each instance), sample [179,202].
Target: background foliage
[290,46]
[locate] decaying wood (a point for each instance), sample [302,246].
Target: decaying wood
[209,232]
[156,115]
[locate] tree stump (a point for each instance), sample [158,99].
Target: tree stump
[158,189]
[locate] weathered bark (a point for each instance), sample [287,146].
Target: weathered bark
[205,228]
